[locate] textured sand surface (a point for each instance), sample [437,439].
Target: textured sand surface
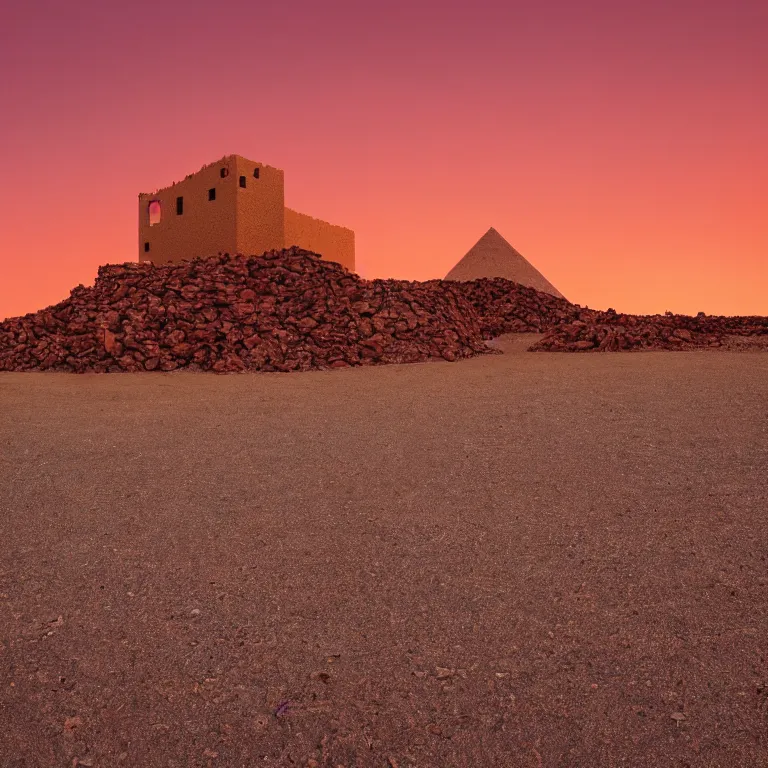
[534,559]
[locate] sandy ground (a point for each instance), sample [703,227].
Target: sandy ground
[534,559]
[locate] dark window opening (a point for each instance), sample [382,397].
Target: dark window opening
[179,206]
[146,247]
[242,181]
[224,172]
[212,193]
[256,173]
[155,212]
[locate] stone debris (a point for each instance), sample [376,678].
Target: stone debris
[284,311]
[507,307]
[291,310]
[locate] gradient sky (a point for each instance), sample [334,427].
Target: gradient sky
[621,147]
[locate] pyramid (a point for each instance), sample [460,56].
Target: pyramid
[493,256]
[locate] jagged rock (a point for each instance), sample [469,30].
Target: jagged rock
[283,311]
[291,310]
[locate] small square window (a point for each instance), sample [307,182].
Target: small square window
[179,206]
[255,173]
[242,181]
[146,247]
[224,172]
[212,193]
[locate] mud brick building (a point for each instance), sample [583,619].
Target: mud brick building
[232,206]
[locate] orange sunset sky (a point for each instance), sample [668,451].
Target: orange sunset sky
[621,147]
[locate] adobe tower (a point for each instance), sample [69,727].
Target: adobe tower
[232,206]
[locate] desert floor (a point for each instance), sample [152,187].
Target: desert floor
[535,559]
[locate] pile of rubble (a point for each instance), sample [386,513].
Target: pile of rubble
[611,332]
[291,310]
[286,310]
[507,307]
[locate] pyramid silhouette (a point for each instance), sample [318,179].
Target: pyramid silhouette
[493,256]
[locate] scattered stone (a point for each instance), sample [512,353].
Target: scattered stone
[72,723]
[286,310]
[291,310]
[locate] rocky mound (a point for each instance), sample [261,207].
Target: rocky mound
[504,306]
[507,307]
[611,332]
[283,311]
[291,310]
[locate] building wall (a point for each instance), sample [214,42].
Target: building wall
[204,228]
[332,242]
[259,208]
[248,219]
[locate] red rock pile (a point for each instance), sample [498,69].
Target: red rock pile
[283,311]
[507,307]
[291,310]
[611,332]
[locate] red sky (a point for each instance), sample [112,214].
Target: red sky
[622,148]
